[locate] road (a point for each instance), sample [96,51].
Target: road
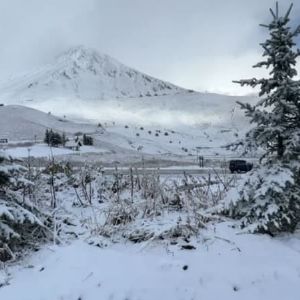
[167,171]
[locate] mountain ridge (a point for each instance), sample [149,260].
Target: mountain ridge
[85,73]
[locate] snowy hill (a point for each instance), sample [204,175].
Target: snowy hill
[19,123]
[176,111]
[86,74]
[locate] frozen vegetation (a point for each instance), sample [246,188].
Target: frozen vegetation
[141,236]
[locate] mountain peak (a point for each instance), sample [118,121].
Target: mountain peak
[84,58]
[78,51]
[85,73]
[82,53]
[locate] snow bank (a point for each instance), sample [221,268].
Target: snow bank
[224,265]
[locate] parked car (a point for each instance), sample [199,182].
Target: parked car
[240,166]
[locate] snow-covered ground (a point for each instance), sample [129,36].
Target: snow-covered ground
[20,123]
[206,140]
[100,259]
[224,265]
[43,150]
[24,125]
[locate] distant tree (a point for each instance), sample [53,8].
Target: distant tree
[4,176]
[64,139]
[88,140]
[47,137]
[269,199]
[54,139]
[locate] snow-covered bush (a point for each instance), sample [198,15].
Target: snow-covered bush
[269,198]
[121,213]
[143,200]
[21,222]
[265,200]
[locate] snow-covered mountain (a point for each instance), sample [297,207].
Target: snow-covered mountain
[83,84]
[86,74]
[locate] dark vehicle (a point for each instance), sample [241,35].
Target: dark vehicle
[240,166]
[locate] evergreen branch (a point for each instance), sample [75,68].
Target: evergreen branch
[261,64]
[264,25]
[252,82]
[288,12]
[265,48]
[246,106]
[297,31]
[272,13]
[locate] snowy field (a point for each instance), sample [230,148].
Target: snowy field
[116,142]
[96,258]
[43,150]
[224,265]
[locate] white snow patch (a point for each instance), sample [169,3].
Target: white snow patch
[225,265]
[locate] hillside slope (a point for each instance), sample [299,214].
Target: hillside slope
[187,109]
[19,123]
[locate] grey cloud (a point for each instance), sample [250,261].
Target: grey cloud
[194,43]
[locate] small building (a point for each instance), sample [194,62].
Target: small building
[73,145]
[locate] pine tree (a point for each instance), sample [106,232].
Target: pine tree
[19,217]
[269,198]
[87,140]
[54,139]
[47,137]
[4,178]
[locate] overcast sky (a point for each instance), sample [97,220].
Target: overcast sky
[197,44]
